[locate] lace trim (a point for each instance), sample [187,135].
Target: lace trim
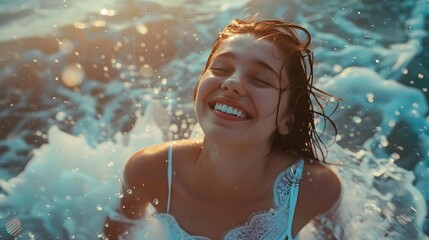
[262,225]
[268,224]
[175,231]
[272,223]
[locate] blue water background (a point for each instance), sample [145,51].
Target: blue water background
[85,83]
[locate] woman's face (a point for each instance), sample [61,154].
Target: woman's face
[237,96]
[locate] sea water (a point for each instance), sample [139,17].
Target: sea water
[84,84]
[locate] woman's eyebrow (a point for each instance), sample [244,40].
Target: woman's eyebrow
[228,55]
[231,55]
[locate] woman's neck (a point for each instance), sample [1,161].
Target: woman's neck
[231,172]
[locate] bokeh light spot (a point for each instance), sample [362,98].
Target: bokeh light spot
[142,29]
[72,75]
[146,71]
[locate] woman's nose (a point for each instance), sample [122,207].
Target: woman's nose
[233,85]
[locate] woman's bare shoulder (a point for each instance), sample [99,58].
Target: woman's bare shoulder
[149,165]
[321,187]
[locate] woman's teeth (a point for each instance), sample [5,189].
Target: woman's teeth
[229,110]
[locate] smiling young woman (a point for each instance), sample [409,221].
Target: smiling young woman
[256,173]
[243,76]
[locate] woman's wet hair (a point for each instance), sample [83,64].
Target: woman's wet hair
[307,102]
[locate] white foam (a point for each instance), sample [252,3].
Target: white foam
[68,184]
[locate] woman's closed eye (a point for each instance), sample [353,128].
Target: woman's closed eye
[260,82]
[257,81]
[220,71]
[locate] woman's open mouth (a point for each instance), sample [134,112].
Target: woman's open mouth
[230,110]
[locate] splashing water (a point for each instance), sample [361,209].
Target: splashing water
[99,80]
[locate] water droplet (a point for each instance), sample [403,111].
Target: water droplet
[337,68]
[174,128]
[395,156]
[384,142]
[60,116]
[99,208]
[357,119]
[370,97]
[338,137]
[164,81]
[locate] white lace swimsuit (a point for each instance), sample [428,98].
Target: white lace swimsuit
[273,224]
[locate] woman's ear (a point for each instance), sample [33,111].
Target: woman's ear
[285,124]
[286,115]
[283,130]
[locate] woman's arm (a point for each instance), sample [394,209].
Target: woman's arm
[320,194]
[145,175]
[130,207]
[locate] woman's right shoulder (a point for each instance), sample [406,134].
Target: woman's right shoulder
[148,164]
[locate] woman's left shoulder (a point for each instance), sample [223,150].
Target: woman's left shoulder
[320,186]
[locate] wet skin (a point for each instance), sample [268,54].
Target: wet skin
[218,182]
[243,74]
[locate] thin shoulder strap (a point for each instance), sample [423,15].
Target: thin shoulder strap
[169,175]
[293,198]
